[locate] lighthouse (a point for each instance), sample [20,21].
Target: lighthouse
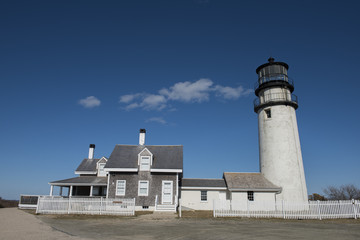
[279,144]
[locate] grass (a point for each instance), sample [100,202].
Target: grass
[197,214]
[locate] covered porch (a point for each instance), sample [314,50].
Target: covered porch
[84,186]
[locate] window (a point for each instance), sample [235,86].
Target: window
[203,196]
[143,188]
[101,172]
[268,113]
[145,163]
[120,187]
[250,196]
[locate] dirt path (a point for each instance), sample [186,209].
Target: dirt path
[17,225]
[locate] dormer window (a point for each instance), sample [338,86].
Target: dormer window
[101,171]
[145,163]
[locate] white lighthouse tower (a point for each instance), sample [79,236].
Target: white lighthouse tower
[280,153]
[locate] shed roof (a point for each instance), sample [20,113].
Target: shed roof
[81,181]
[164,157]
[248,181]
[203,183]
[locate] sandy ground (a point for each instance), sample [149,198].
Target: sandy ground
[17,224]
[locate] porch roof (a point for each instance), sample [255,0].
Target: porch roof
[81,181]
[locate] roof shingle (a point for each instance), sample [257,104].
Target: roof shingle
[248,181]
[83,180]
[164,157]
[197,182]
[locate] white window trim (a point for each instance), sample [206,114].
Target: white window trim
[251,194]
[98,167]
[141,160]
[116,189]
[204,201]
[162,191]
[151,156]
[147,188]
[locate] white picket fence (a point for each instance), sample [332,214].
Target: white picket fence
[91,206]
[289,210]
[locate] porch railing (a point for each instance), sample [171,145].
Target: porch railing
[92,206]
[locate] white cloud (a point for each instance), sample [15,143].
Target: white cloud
[230,92]
[198,91]
[156,119]
[132,106]
[145,101]
[90,102]
[152,101]
[189,92]
[127,98]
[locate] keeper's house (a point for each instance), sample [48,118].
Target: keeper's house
[153,175]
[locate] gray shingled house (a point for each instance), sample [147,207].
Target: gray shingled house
[148,173]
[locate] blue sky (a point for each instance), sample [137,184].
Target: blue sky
[80,72]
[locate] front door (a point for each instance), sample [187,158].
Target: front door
[167,192]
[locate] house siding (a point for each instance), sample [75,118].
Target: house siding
[132,181]
[192,198]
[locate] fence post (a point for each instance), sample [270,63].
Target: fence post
[282,208]
[248,213]
[354,207]
[156,199]
[319,212]
[133,213]
[37,206]
[180,207]
[101,204]
[69,205]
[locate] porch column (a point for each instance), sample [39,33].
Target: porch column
[60,191]
[177,185]
[91,191]
[70,191]
[51,190]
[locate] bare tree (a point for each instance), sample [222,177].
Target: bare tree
[344,192]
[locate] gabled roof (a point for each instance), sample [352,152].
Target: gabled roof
[82,181]
[198,183]
[248,182]
[164,157]
[88,165]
